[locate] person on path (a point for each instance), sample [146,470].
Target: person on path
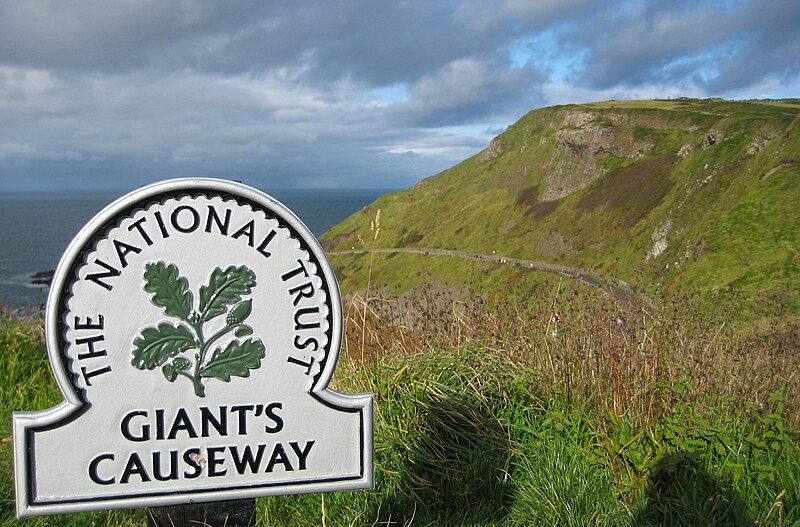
[555,319]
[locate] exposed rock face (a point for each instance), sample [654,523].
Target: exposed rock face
[685,150]
[760,141]
[573,166]
[577,118]
[495,149]
[659,240]
[586,142]
[580,142]
[713,137]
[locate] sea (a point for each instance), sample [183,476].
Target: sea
[36,228]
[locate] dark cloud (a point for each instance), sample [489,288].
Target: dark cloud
[342,92]
[93,35]
[374,42]
[716,46]
[466,89]
[769,47]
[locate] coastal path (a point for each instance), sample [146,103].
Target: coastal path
[627,297]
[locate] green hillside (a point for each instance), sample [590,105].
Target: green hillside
[680,198]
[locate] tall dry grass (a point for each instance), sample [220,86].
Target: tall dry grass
[642,368]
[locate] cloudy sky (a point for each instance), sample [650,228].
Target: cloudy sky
[102,94]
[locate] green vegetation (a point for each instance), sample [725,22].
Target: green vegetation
[28,384]
[484,417]
[677,197]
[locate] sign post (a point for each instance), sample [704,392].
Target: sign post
[193,327]
[236,513]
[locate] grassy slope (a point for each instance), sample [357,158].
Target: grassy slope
[730,218]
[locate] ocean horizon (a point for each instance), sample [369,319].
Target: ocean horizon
[37,227]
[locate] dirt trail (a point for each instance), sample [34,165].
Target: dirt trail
[629,300]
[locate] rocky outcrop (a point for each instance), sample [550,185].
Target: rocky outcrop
[760,141]
[42,278]
[713,137]
[660,243]
[495,149]
[582,139]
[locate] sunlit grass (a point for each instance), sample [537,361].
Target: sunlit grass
[502,423]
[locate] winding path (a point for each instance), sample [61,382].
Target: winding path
[630,300]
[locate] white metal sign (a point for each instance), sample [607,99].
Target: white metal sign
[193,327]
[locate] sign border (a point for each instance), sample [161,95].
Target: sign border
[27,424]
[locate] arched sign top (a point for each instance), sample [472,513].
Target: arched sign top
[193,327]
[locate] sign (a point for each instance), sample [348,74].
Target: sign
[193,327]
